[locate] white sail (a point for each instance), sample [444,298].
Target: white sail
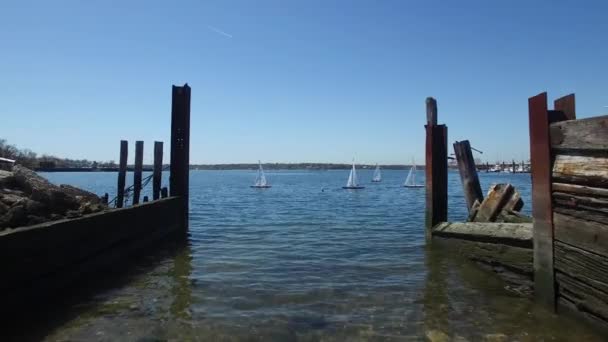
[352,177]
[410,181]
[260,180]
[377,175]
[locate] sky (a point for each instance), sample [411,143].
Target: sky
[293,81]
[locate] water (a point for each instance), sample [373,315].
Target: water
[307,260]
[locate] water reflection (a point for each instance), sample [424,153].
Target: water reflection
[182,286]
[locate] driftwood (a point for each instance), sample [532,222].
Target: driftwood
[514,234]
[582,170]
[501,204]
[585,135]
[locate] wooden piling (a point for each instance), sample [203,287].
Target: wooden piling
[468,173]
[122,173]
[105,198]
[180,147]
[436,169]
[158,169]
[139,162]
[164,193]
[145,199]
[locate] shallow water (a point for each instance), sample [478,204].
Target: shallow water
[306,260]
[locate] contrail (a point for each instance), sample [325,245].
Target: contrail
[218,31]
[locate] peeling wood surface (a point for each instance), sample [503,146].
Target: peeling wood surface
[582,170]
[579,189]
[581,233]
[585,135]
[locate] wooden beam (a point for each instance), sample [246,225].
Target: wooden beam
[542,210]
[468,173]
[566,105]
[122,173]
[583,136]
[158,169]
[436,170]
[583,170]
[137,171]
[588,235]
[180,147]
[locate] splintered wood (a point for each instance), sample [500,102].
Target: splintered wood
[502,204]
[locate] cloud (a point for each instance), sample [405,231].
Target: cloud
[218,31]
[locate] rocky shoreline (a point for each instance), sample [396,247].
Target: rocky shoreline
[26,199]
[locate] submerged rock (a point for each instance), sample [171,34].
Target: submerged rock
[26,198]
[436,336]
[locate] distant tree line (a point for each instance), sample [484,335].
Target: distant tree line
[30,159]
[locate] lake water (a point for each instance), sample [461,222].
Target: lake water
[307,260]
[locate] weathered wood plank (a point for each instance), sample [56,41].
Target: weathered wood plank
[579,189]
[582,265]
[582,170]
[601,217]
[515,203]
[567,105]
[431,111]
[586,135]
[468,173]
[578,200]
[514,234]
[589,235]
[498,196]
[586,299]
[158,169]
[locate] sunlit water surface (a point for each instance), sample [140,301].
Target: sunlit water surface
[307,260]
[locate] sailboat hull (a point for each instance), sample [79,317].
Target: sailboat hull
[353,187]
[260,186]
[376,181]
[414,186]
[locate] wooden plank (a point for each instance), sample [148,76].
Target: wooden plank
[589,235]
[586,299]
[583,213]
[137,171]
[582,170]
[515,202]
[158,169]
[566,105]
[180,147]
[578,200]
[579,189]
[513,234]
[468,173]
[584,135]
[498,196]
[122,174]
[542,211]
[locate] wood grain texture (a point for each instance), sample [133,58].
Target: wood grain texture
[581,233]
[581,170]
[585,135]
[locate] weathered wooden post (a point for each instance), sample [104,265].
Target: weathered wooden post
[105,198]
[468,173]
[180,147]
[122,174]
[436,169]
[145,199]
[158,169]
[542,208]
[164,193]
[139,162]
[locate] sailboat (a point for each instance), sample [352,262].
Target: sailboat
[353,182]
[410,181]
[377,175]
[260,180]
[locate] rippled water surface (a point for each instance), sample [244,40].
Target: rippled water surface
[306,260]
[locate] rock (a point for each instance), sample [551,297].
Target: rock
[32,219]
[10,199]
[7,179]
[29,180]
[3,208]
[495,338]
[436,336]
[73,214]
[15,217]
[80,194]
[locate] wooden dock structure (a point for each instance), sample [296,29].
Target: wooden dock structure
[564,252]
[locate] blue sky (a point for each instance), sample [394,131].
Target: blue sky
[291,81]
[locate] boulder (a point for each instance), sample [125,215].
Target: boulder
[80,194]
[7,179]
[15,217]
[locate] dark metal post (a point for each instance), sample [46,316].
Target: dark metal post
[122,173]
[158,169]
[468,173]
[180,147]
[139,162]
[436,167]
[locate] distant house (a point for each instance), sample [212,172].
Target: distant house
[6,164]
